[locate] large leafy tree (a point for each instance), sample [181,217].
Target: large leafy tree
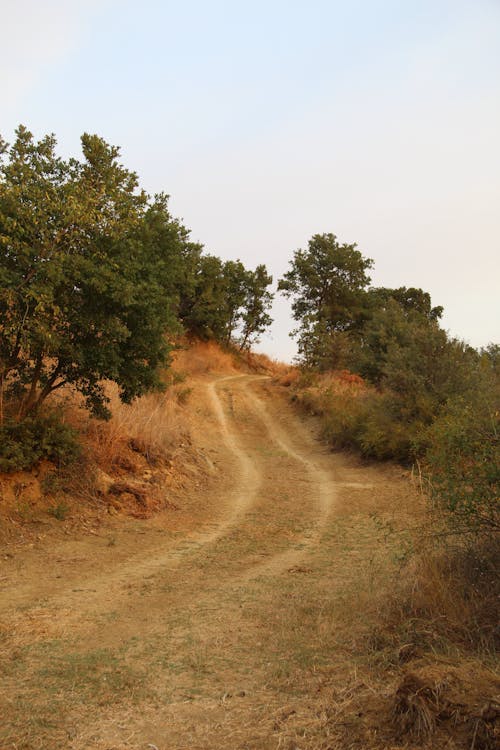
[327,284]
[86,262]
[223,300]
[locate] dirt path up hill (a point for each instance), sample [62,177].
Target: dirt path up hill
[217,632]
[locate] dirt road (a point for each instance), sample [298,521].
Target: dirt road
[213,629]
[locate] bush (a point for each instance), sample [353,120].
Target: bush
[23,444]
[342,419]
[388,432]
[358,417]
[463,461]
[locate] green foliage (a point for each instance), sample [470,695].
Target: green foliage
[203,304]
[410,301]
[87,274]
[343,419]
[366,421]
[96,278]
[463,458]
[226,302]
[327,285]
[257,301]
[23,444]
[407,352]
[386,434]
[436,399]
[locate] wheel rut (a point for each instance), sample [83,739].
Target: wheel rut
[208,621]
[320,479]
[237,512]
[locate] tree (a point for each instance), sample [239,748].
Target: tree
[204,312]
[84,274]
[424,369]
[226,301]
[389,326]
[257,302]
[236,281]
[327,284]
[410,299]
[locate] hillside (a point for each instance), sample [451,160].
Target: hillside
[257,591]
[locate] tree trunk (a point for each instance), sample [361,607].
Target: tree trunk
[49,388]
[35,399]
[29,401]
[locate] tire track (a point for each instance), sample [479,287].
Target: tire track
[98,590]
[325,492]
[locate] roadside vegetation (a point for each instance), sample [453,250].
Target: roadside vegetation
[388,383]
[98,281]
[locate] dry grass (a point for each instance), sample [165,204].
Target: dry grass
[152,426]
[155,425]
[334,382]
[262,363]
[409,624]
[417,704]
[378,692]
[128,459]
[142,440]
[337,392]
[202,358]
[455,593]
[372,643]
[290,378]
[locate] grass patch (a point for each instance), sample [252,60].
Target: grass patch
[46,684]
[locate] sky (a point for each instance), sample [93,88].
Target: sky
[268,122]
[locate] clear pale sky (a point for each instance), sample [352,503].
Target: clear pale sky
[267,122]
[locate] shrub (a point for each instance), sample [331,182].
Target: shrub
[342,418]
[358,417]
[388,432]
[463,461]
[23,444]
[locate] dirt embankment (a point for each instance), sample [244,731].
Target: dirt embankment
[250,616]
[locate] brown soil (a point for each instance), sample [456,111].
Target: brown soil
[245,618]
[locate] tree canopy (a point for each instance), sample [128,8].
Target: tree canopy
[327,284]
[96,278]
[226,301]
